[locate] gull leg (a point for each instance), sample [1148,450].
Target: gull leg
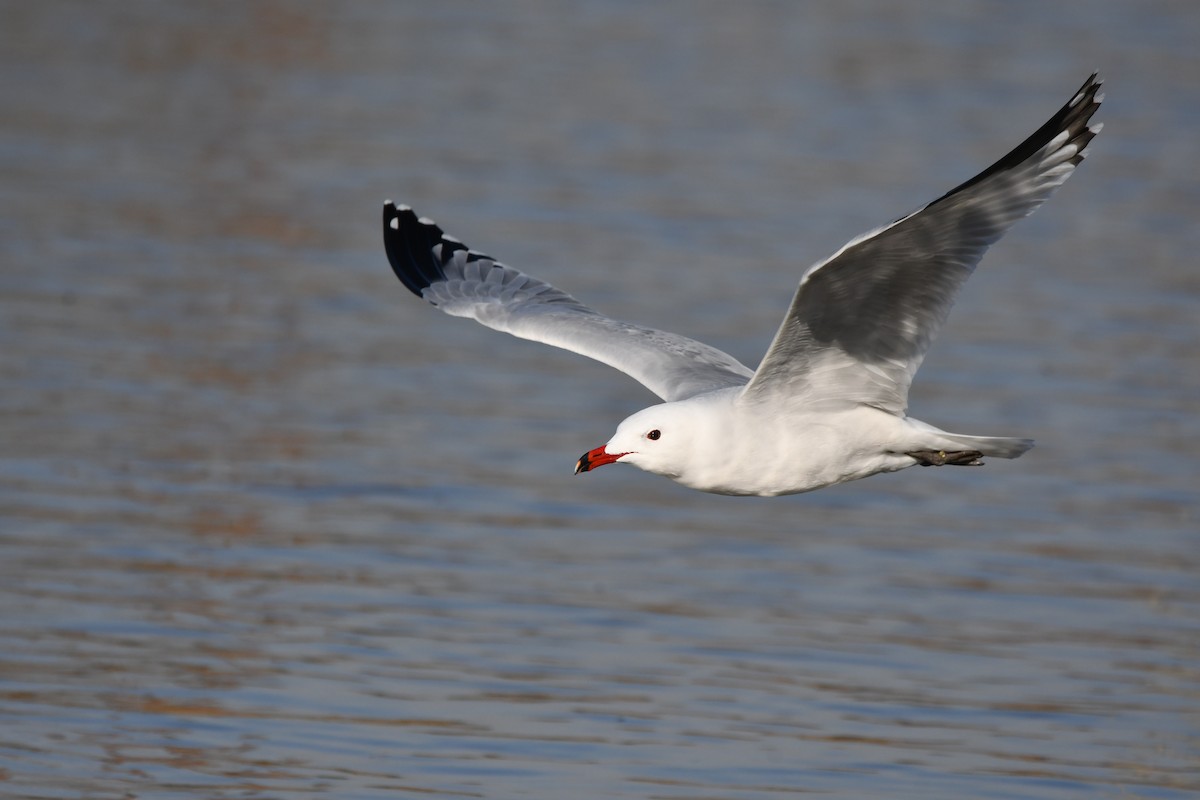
[941,458]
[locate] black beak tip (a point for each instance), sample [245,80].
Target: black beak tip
[582,465]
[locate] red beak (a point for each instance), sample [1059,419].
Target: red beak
[595,458]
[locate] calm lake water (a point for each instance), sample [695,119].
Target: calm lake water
[272,528]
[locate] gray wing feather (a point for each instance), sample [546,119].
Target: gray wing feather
[464,283]
[862,320]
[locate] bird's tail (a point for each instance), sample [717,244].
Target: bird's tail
[994,446]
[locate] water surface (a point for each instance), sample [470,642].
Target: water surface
[270,527]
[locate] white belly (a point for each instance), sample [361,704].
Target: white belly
[799,453]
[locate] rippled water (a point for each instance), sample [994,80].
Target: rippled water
[270,527]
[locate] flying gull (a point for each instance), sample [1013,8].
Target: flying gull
[827,403]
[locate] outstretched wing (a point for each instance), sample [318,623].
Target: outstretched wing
[862,320]
[465,283]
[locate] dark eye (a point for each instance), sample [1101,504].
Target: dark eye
[654,434]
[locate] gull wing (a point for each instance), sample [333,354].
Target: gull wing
[466,283]
[862,320]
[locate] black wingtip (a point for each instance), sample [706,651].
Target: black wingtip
[410,244]
[1072,118]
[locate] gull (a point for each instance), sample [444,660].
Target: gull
[828,402]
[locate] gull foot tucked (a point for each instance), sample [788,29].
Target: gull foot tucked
[940,458]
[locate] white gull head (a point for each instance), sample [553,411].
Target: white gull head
[665,439]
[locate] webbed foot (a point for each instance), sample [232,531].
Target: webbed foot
[940,458]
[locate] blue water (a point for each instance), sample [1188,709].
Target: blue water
[271,528]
